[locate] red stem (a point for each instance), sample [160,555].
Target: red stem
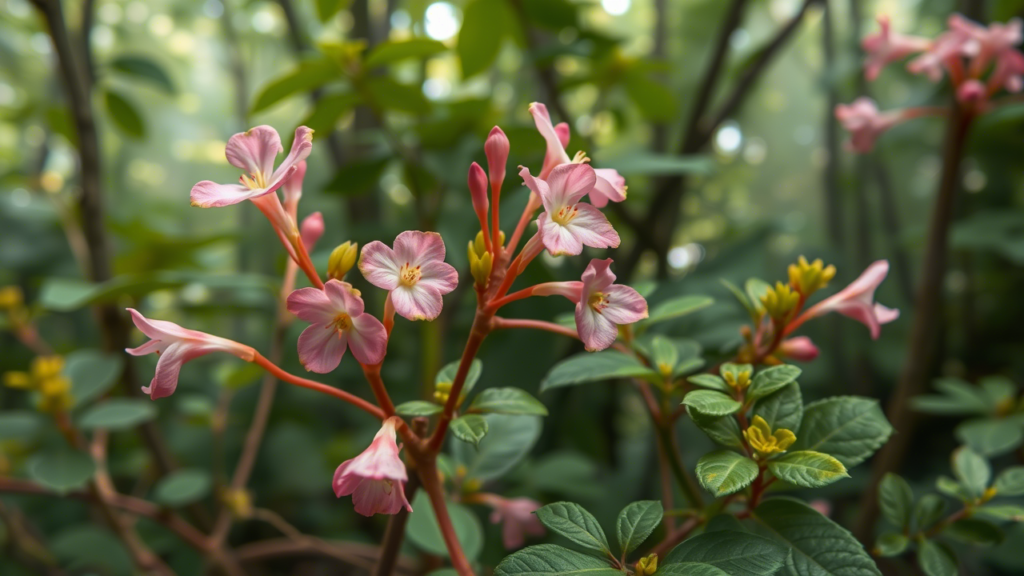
[280,374]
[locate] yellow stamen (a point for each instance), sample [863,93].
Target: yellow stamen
[565,215]
[409,275]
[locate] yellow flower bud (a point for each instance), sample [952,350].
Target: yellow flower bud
[501,238]
[44,367]
[11,297]
[479,246]
[342,259]
[20,380]
[989,494]
[760,437]
[740,380]
[647,565]
[778,302]
[481,269]
[808,278]
[239,502]
[472,485]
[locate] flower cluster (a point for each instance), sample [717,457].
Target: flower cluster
[980,62]
[46,376]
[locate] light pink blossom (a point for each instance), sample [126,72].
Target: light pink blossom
[516,516]
[567,225]
[608,186]
[376,478]
[801,349]
[1009,72]
[312,229]
[972,92]
[414,272]
[945,52]
[337,322]
[887,46]
[175,346]
[254,152]
[292,188]
[865,123]
[986,41]
[857,301]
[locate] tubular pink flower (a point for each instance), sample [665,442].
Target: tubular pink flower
[887,46]
[801,349]
[376,478]
[567,225]
[312,229]
[986,42]
[609,184]
[177,345]
[292,188]
[857,301]
[945,52]
[337,322]
[972,92]
[254,151]
[516,516]
[1009,73]
[414,272]
[496,149]
[865,123]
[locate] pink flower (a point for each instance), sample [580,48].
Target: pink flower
[986,42]
[945,52]
[601,305]
[496,149]
[415,272]
[865,123]
[609,185]
[857,301]
[338,322]
[292,188]
[254,151]
[972,92]
[801,349]
[175,346]
[376,478]
[567,225]
[517,516]
[887,46]
[1009,72]
[312,229]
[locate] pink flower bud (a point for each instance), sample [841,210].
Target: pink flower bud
[971,92]
[496,148]
[312,229]
[478,190]
[801,349]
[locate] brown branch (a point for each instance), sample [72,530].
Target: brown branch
[350,553]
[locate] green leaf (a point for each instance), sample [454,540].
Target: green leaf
[989,436]
[891,544]
[653,98]
[678,307]
[975,531]
[117,414]
[507,401]
[722,429]
[971,470]
[575,523]
[142,68]
[896,500]
[935,559]
[691,569]
[424,532]
[124,114]
[755,288]
[740,297]
[998,390]
[710,381]
[87,549]
[735,369]
[395,50]
[418,408]
[928,510]
[819,546]
[951,487]
[183,486]
[782,409]
[711,403]
[970,397]
[61,471]
[470,428]
[509,438]
[21,425]
[552,560]
[357,178]
[326,9]
[327,111]
[1010,482]
[647,164]
[664,354]
[485,24]
[636,522]
[807,468]
[387,93]
[724,472]
[772,379]
[447,375]
[92,373]
[594,367]
[1004,512]
[551,14]
[848,428]
[734,553]
[308,75]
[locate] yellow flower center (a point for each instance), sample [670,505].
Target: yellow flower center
[341,322]
[409,275]
[565,215]
[760,437]
[254,181]
[598,301]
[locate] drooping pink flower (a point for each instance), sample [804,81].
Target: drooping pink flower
[857,301]
[177,345]
[254,151]
[376,478]
[945,52]
[414,272]
[800,348]
[986,41]
[516,516]
[337,322]
[887,46]
[567,225]
[865,123]
[608,186]
[1009,73]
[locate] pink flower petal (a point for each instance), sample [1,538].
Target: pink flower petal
[312,229]
[165,381]
[555,148]
[598,276]
[596,331]
[419,302]
[368,339]
[255,150]
[593,228]
[569,183]
[609,186]
[311,305]
[558,239]
[415,248]
[625,305]
[208,194]
[379,265]
[343,299]
[302,145]
[439,276]
[321,348]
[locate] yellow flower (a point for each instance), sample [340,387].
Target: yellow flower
[647,565]
[18,380]
[807,278]
[760,437]
[11,297]
[780,301]
[738,380]
[44,367]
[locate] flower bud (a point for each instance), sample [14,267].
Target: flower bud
[19,380]
[478,191]
[800,348]
[647,565]
[479,246]
[312,229]
[239,502]
[11,298]
[806,278]
[481,270]
[496,148]
[44,367]
[780,301]
[342,259]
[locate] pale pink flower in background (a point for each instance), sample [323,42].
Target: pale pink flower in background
[801,349]
[865,123]
[376,478]
[986,41]
[414,272]
[312,229]
[887,46]
[947,50]
[567,225]
[857,301]
[1009,72]
[516,516]
[609,185]
[824,507]
[254,151]
[337,322]
[175,346]
[971,92]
